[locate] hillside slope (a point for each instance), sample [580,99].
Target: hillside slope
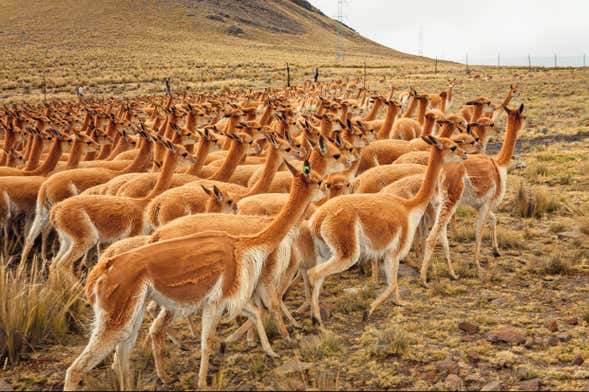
[108,41]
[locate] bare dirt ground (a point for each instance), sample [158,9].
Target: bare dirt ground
[523,324]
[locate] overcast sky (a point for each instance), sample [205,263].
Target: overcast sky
[452,28]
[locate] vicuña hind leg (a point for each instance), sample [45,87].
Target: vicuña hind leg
[210,319]
[481,220]
[157,331]
[493,223]
[391,268]
[101,344]
[317,275]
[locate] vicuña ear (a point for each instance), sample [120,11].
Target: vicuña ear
[468,129]
[521,108]
[338,140]
[506,109]
[291,168]
[287,136]
[432,140]
[322,145]
[306,168]
[218,194]
[207,190]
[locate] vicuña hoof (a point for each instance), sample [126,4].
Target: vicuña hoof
[365,315]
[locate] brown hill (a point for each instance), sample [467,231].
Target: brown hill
[124,41]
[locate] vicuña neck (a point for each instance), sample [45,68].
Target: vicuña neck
[141,159]
[426,190]
[34,153]
[75,154]
[271,165]
[50,162]
[290,215]
[428,126]
[421,111]
[410,108]
[504,156]
[204,146]
[164,179]
[373,112]
[385,130]
[234,156]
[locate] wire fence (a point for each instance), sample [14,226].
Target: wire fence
[528,61]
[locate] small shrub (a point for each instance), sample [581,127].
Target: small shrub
[554,265]
[533,202]
[315,348]
[391,341]
[355,302]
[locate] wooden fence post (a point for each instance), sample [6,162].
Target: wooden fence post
[287,75]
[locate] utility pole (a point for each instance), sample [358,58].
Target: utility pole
[436,65]
[340,52]
[287,75]
[498,59]
[554,60]
[467,62]
[529,62]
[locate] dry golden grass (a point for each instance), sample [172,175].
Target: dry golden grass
[541,274]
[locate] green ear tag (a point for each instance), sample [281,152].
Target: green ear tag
[306,169]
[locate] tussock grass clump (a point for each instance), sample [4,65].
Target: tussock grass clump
[34,310]
[554,265]
[391,341]
[355,302]
[533,202]
[317,347]
[536,169]
[583,224]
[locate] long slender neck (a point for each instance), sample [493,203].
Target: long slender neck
[344,114]
[35,153]
[421,111]
[202,152]
[289,216]
[266,116]
[318,161]
[159,149]
[476,112]
[410,108]
[373,112]
[106,149]
[234,155]
[164,179]
[50,162]
[428,126]
[385,131]
[507,98]
[447,130]
[120,145]
[271,166]
[426,190]
[141,159]
[325,128]
[504,156]
[9,139]
[229,128]
[75,154]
